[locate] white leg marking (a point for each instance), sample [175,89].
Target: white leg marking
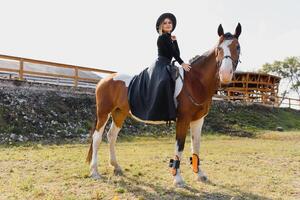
[196,129]
[97,138]
[112,138]
[178,180]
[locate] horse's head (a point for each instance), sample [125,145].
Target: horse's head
[227,53]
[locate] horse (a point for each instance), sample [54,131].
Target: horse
[194,100]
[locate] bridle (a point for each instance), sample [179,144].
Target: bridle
[234,62]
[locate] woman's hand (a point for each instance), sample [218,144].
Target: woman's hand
[186,67]
[173,37]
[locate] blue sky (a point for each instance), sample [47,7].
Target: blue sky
[121,36]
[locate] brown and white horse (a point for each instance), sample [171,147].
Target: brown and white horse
[194,100]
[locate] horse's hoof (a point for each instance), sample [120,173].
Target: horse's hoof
[118,172]
[95,176]
[202,178]
[179,184]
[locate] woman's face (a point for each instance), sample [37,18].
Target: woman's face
[167,25]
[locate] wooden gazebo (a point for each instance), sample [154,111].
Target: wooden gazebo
[251,87]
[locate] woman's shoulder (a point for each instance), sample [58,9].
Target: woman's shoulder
[165,36]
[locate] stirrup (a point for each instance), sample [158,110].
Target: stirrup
[174,165]
[195,162]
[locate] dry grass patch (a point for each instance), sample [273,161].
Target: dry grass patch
[238,168]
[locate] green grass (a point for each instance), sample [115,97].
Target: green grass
[266,167]
[247,120]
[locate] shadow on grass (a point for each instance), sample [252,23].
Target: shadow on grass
[242,194]
[139,188]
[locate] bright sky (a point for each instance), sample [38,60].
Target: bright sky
[121,36]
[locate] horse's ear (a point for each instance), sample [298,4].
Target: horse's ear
[238,30]
[220,30]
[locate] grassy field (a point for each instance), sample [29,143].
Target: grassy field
[267,167]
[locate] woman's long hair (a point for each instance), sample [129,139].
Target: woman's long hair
[160,31]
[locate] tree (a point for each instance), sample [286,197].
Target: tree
[288,69]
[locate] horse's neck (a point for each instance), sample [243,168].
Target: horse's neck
[205,69]
[202,77]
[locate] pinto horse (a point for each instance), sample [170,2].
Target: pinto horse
[194,100]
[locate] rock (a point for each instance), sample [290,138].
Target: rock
[25,139]
[20,138]
[279,128]
[13,136]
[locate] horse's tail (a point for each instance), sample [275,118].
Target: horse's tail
[90,153]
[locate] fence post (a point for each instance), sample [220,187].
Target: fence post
[289,102]
[21,70]
[76,77]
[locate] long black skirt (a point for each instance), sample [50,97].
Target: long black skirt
[151,92]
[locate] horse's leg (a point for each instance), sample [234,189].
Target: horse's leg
[181,130]
[118,118]
[97,138]
[196,128]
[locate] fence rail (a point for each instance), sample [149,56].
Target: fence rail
[75,77]
[289,102]
[280,101]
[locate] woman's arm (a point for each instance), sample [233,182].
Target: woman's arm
[168,42]
[176,46]
[185,66]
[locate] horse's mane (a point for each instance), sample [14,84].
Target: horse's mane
[204,56]
[199,58]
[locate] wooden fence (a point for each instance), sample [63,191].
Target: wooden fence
[280,101]
[75,77]
[289,102]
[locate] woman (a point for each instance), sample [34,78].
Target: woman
[151,92]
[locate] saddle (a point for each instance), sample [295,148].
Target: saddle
[173,70]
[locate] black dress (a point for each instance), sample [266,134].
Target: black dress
[151,92]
